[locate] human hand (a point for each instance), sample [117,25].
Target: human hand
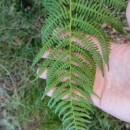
[114,88]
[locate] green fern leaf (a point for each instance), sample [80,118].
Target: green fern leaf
[72,62]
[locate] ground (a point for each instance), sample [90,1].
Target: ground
[21,107]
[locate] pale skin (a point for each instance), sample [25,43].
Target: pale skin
[114,88]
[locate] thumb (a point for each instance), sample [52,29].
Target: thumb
[128,13]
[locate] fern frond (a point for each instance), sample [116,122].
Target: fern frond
[72,62]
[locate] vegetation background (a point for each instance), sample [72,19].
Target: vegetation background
[21,107]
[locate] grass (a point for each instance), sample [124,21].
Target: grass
[20,98]
[21,107]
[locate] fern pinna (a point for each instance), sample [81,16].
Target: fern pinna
[74,56]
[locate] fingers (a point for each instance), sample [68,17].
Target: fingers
[50,93]
[44,74]
[45,56]
[47,53]
[128,13]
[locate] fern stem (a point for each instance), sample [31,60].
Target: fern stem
[70,30]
